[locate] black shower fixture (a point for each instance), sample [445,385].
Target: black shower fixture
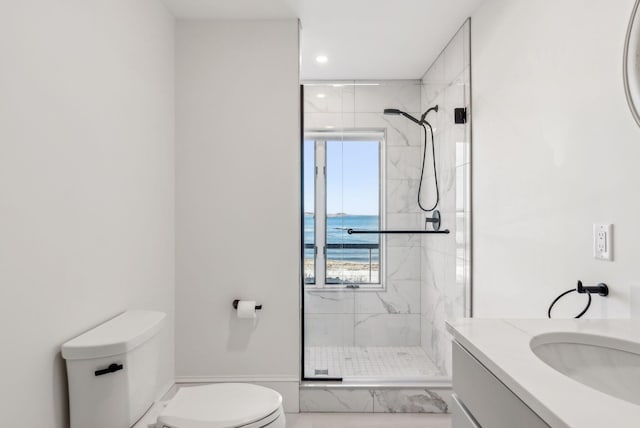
[460,115]
[423,122]
[395,111]
[424,115]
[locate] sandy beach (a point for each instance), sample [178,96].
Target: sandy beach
[347,271]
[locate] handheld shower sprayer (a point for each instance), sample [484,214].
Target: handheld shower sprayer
[423,122]
[395,111]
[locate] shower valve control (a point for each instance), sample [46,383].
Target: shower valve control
[602,241]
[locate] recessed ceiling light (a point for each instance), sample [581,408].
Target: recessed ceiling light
[320,95]
[329,126]
[322,59]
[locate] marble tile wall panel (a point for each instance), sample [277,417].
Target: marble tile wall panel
[426,331]
[402,95]
[340,400]
[403,162]
[402,196]
[329,329]
[329,302]
[329,98]
[402,220]
[328,121]
[403,263]
[399,297]
[408,221]
[404,240]
[411,400]
[435,305]
[387,330]
[432,90]
[378,400]
[399,130]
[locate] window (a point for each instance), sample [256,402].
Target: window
[342,191]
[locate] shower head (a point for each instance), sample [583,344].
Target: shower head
[395,111]
[420,121]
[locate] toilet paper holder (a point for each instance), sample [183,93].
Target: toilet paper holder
[235,305]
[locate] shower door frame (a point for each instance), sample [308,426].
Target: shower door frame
[354,134]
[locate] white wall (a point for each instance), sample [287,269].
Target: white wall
[238,199]
[555,149]
[86,185]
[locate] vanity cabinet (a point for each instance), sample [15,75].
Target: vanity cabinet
[481,400]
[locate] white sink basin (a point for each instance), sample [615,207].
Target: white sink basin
[607,364]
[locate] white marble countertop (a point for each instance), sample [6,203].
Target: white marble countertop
[503,347]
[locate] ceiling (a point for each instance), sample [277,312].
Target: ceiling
[363,39]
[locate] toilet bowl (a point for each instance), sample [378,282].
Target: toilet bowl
[224,405]
[112,373]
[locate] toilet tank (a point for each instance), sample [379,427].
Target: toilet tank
[112,370]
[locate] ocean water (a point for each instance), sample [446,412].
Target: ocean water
[337,234]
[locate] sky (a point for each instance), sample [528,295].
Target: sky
[353,177]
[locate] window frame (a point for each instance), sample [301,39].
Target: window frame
[320,139]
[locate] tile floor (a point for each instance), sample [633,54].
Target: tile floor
[367,420]
[370,361]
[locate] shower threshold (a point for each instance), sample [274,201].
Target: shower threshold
[399,382]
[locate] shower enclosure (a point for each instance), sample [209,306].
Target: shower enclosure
[375,304]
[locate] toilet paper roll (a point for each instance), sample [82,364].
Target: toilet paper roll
[246,309]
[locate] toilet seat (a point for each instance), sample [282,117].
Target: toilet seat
[224,405]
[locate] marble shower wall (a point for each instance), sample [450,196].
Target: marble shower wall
[446,258]
[389,317]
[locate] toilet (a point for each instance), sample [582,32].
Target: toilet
[112,372]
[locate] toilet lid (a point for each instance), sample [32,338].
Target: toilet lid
[221,405]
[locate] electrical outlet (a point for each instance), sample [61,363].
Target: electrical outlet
[602,241]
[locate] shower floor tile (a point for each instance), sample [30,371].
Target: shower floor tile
[397,362]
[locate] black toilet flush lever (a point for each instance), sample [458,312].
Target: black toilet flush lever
[600,289]
[111,369]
